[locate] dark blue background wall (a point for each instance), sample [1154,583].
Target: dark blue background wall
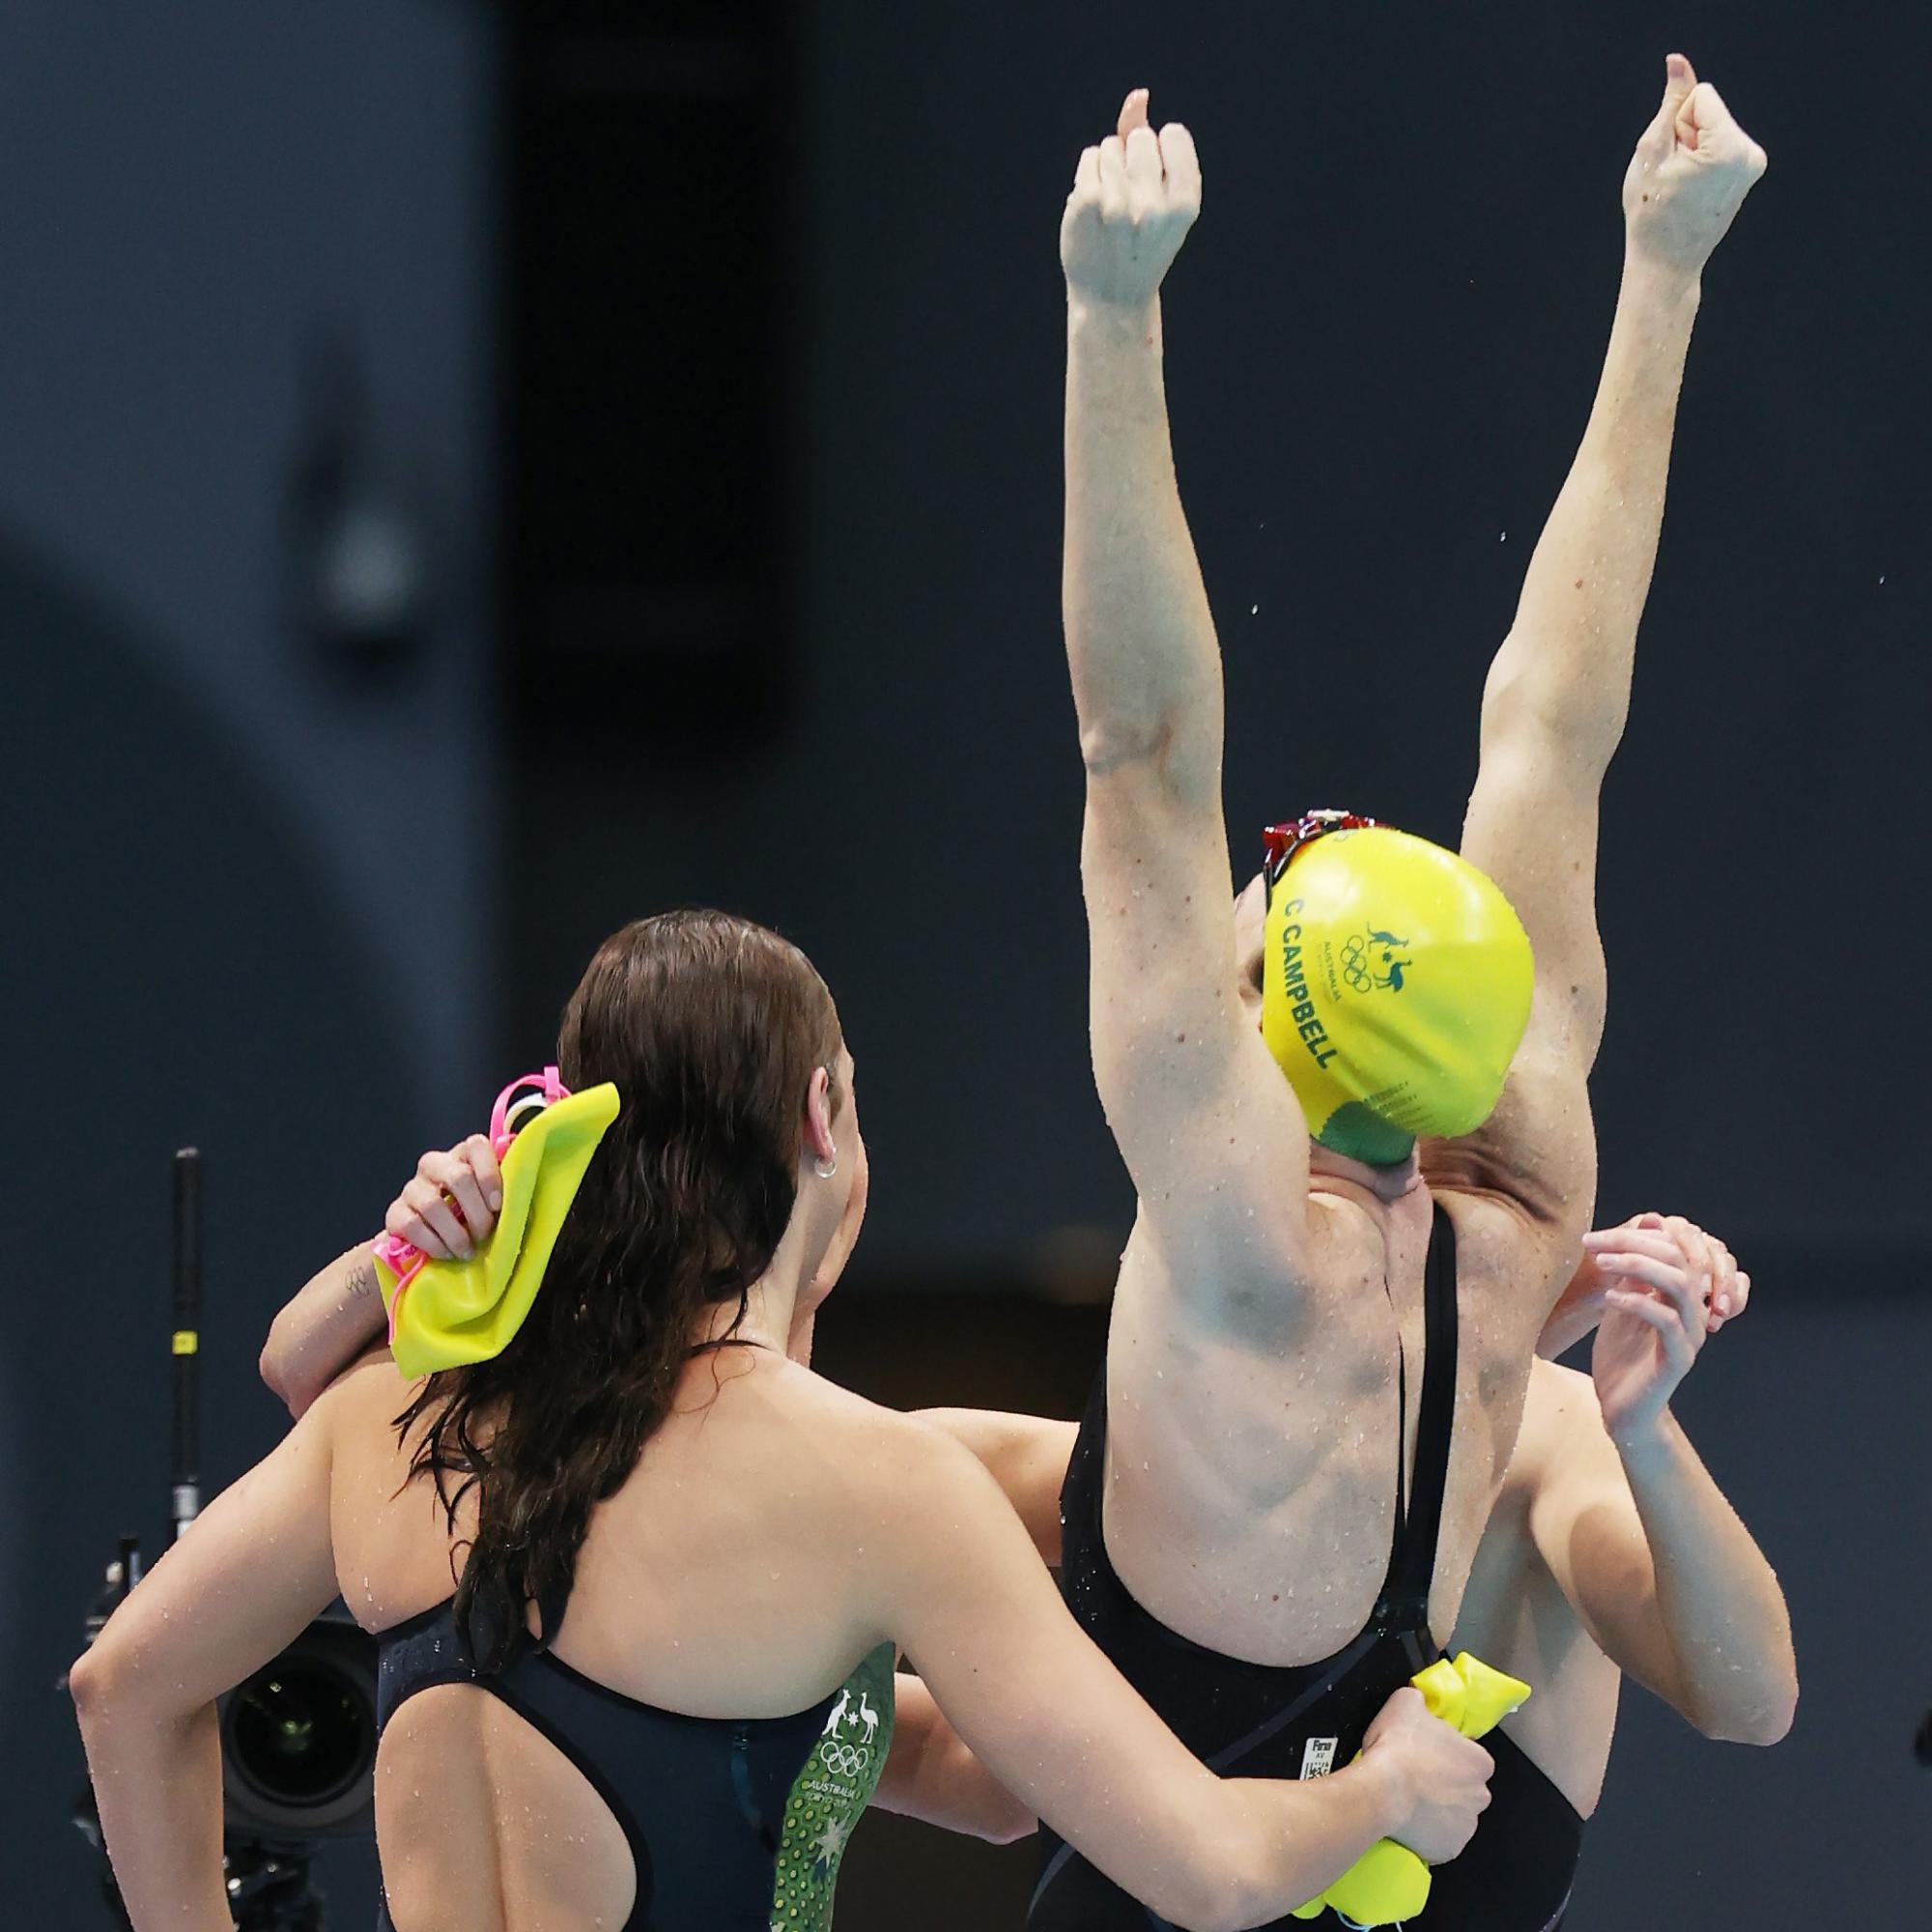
[1382,346]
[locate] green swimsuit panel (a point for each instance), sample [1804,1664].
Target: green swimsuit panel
[830,1793]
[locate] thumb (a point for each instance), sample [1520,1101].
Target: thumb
[1680,82]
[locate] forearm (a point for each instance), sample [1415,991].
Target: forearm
[1718,1599]
[332,1321]
[934,1776]
[1331,1821]
[1140,639]
[1566,661]
[157,1781]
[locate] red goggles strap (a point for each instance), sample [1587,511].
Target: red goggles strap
[1281,842]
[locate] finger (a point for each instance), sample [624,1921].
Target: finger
[1684,1293]
[1680,82]
[407,1225]
[1692,1242]
[1182,164]
[1113,177]
[1133,113]
[459,1183]
[427,1202]
[1659,1247]
[1684,127]
[482,1158]
[1087,176]
[1657,1315]
[1144,167]
[1724,1280]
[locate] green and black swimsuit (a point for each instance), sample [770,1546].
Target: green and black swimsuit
[735,1825]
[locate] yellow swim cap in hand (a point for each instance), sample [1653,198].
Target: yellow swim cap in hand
[447,1314]
[1388,1885]
[1395,984]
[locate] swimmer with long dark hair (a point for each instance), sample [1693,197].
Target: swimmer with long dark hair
[638,1579]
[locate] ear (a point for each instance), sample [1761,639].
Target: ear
[819,1142]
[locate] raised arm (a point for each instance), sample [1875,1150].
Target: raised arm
[1052,1721]
[336,1317]
[1651,1555]
[1558,691]
[1207,1127]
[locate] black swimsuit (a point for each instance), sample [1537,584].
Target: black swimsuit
[1515,1874]
[733,1823]
[1257,1719]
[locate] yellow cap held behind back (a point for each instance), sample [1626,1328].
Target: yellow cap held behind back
[1396,985]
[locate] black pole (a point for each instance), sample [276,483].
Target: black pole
[187,1345]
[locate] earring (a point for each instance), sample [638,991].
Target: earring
[825,1168]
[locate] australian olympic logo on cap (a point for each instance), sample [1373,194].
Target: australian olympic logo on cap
[1295,985]
[1369,961]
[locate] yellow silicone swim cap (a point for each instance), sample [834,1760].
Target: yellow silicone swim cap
[1395,986]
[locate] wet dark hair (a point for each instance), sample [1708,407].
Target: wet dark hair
[711,1028]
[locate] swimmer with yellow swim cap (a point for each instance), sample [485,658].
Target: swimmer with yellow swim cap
[1360,1136]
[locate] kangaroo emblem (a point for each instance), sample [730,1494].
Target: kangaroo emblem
[869,1717]
[838,1716]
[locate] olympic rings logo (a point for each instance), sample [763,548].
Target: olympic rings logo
[1364,972]
[844,1760]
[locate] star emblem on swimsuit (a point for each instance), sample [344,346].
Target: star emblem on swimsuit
[829,1843]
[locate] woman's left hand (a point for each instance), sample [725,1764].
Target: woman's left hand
[1667,1284]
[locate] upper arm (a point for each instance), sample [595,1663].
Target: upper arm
[1024,1455]
[1210,1132]
[1532,827]
[1585,1523]
[245,1580]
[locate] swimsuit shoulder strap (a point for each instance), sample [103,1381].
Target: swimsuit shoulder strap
[1412,1559]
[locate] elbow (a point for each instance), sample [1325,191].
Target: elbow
[1770,1723]
[95,1682]
[1109,745]
[1767,1721]
[270,1368]
[287,1387]
[1009,1827]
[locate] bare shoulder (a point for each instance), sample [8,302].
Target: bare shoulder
[893,1461]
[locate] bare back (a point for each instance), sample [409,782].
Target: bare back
[688,1598]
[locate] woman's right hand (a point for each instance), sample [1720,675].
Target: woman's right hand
[1444,1776]
[450,1207]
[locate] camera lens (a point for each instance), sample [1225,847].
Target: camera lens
[299,1735]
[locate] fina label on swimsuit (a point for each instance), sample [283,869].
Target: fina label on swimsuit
[1318,1756]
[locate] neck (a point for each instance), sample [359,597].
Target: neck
[771,1306]
[767,1321]
[1387,1184]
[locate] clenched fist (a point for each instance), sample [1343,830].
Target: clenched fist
[1134,198]
[1692,169]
